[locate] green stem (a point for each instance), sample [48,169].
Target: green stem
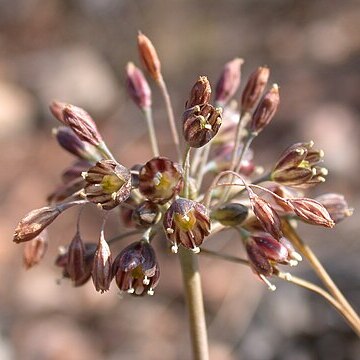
[195,304]
[202,166]
[151,130]
[186,167]
[164,91]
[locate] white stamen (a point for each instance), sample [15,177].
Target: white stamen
[84,174]
[293,262]
[195,249]
[296,256]
[271,286]
[82,194]
[113,196]
[186,218]
[150,292]
[146,280]
[130,291]
[169,231]
[288,276]
[207,126]
[174,248]
[99,206]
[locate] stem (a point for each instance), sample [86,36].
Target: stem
[318,290]
[196,160]
[104,150]
[203,162]
[195,304]
[164,91]
[290,232]
[297,281]
[124,235]
[151,129]
[249,139]
[186,167]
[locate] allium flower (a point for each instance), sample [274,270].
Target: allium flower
[136,270]
[336,205]
[231,214]
[186,222]
[149,57]
[298,166]
[35,249]
[160,180]
[107,184]
[146,214]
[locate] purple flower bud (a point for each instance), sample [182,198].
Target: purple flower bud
[257,258]
[266,110]
[229,81]
[136,270]
[254,88]
[35,249]
[107,184]
[70,142]
[271,247]
[186,222]
[336,205]
[200,93]
[102,266]
[137,87]
[78,120]
[311,211]
[160,180]
[75,264]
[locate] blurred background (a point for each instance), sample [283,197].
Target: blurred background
[76,51]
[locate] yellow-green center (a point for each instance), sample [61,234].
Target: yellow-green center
[111,183]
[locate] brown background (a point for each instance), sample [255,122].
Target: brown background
[76,51]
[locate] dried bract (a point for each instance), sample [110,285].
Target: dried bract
[35,249]
[200,93]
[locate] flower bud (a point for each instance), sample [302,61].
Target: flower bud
[36,221]
[136,270]
[254,88]
[160,180]
[78,120]
[297,166]
[257,259]
[186,222]
[102,266]
[311,211]
[271,247]
[266,110]
[267,216]
[232,214]
[89,252]
[70,142]
[137,87]
[35,249]
[146,214]
[229,81]
[336,205]
[149,57]
[294,257]
[200,93]
[201,124]
[75,264]
[107,184]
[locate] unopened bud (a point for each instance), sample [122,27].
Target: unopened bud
[36,221]
[232,214]
[336,205]
[102,266]
[200,93]
[266,110]
[254,88]
[229,81]
[311,211]
[149,57]
[70,142]
[75,264]
[78,120]
[137,86]
[146,214]
[257,259]
[266,215]
[271,247]
[35,249]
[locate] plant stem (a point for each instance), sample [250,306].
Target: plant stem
[186,167]
[151,130]
[203,162]
[318,290]
[248,140]
[195,303]
[292,235]
[164,91]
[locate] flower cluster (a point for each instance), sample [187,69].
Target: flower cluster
[166,198]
